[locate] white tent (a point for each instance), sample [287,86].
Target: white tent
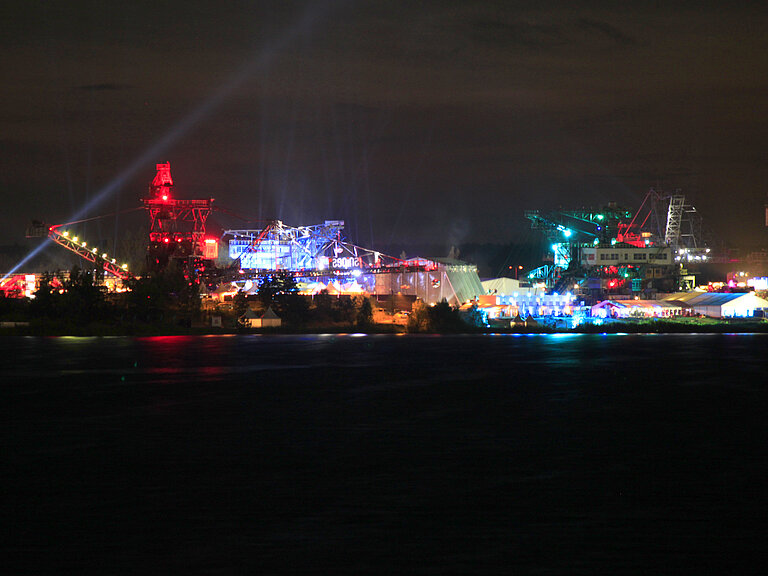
[268,320]
[727,305]
[352,288]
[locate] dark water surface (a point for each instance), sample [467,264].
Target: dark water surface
[584,454]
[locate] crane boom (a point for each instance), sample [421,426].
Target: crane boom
[91,254]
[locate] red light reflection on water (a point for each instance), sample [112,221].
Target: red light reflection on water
[198,356]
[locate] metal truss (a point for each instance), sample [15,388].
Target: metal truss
[674,219]
[301,248]
[92,254]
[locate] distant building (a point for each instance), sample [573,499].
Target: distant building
[625,254]
[431,280]
[527,305]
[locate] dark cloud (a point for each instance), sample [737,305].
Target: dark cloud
[606,30]
[516,34]
[103,87]
[546,35]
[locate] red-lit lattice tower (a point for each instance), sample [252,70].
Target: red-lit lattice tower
[177,227]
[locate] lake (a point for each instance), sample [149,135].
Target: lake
[391,454]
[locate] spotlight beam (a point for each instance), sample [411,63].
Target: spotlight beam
[257,65]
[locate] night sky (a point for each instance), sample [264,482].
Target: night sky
[431,121]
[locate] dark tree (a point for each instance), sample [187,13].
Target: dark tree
[240,303]
[277,284]
[444,318]
[441,318]
[365,314]
[475,317]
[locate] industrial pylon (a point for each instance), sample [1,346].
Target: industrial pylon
[177,227]
[674,220]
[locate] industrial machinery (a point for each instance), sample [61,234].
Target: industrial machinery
[614,249]
[177,226]
[318,252]
[63,235]
[90,253]
[303,250]
[177,233]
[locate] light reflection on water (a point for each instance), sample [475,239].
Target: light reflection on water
[617,454]
[204,357]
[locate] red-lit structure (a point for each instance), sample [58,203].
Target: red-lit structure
[177,227]
[17,285]
[317,254]
[177,232]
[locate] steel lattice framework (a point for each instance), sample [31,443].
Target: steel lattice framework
[92,254]
[302,249]
[684,225]
[174,222]
[674,219]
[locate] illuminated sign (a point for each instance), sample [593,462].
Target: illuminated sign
[211,249]
[267,256]
[346,262]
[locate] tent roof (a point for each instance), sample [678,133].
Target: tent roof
[270,314]
[721,298]
[502,286]
[639,304]
[654,303]
[616,303]
[224,288]
[250,314]
[466,284]
[684,296]
[450,261]
[353,286]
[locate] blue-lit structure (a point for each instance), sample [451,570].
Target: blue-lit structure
[316,248]
[320,257]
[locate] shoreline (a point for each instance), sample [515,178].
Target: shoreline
[690,326]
